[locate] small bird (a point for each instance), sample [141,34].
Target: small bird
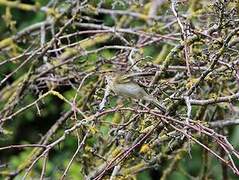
[125,86]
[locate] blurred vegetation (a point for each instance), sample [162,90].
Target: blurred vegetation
[54,57]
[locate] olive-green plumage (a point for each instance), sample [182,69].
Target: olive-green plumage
[125,86]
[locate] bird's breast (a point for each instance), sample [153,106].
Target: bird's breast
[129,90]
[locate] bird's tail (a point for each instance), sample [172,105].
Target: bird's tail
[156,103]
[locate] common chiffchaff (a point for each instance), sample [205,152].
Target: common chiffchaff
[123,85]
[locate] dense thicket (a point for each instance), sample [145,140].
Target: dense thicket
[59,117]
